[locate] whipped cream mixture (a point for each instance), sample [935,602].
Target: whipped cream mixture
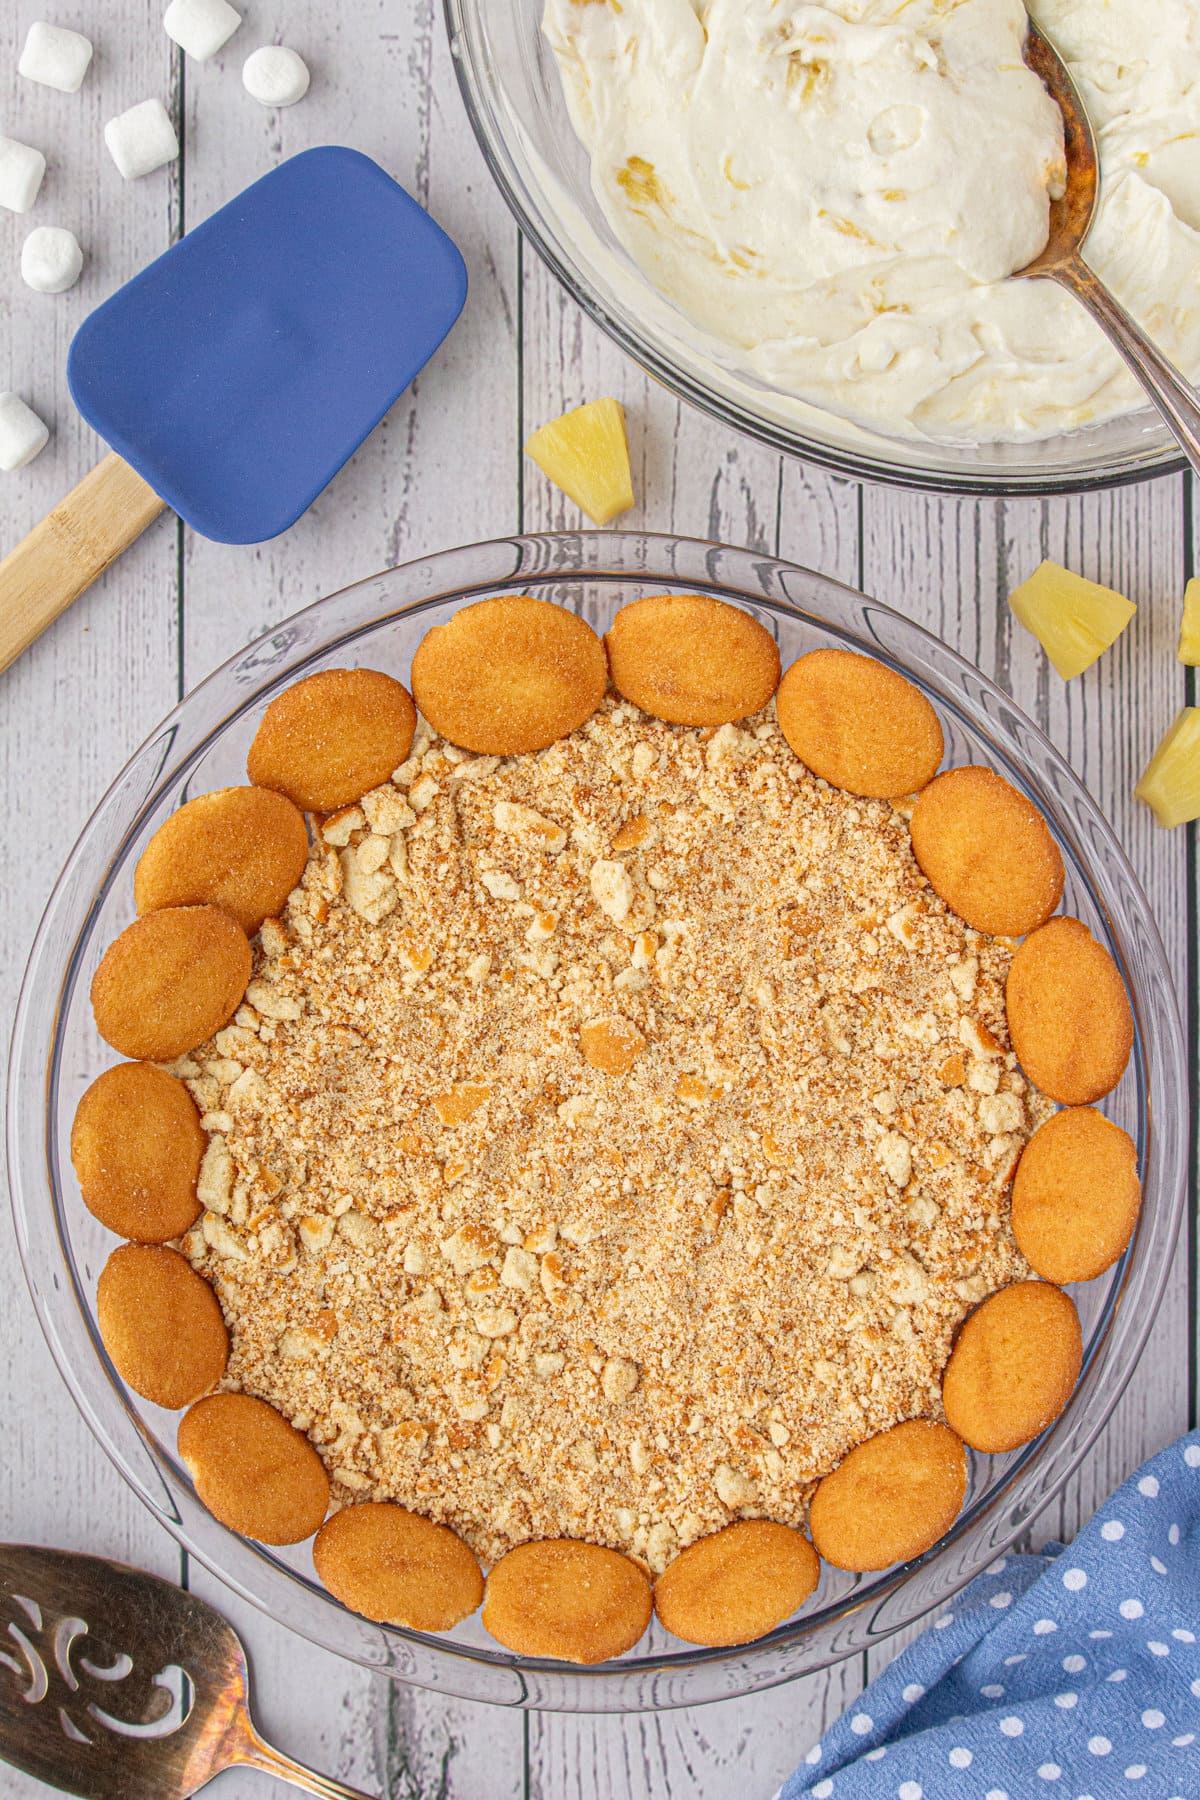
[836,193]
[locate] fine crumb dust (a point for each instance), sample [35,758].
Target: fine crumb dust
[533,1297]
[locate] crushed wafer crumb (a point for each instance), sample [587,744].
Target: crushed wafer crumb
[624,1133]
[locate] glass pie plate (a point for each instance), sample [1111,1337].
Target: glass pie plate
[202,745]
[513,95]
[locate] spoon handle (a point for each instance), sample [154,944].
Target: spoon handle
[255,1751]
[1175,398]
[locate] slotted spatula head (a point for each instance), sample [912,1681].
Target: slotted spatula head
[113,1684]
[241,369]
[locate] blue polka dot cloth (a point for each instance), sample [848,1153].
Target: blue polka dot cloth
[1075,1673]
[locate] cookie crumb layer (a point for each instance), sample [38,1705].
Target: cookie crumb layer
[611,1138]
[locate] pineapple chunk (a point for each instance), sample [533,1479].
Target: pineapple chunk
[1189,629]
[1170,785]
[1074,620]
[586,454]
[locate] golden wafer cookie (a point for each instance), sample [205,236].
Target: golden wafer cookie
[243,849]
[737,1584]
[136,1146]
[1076,1196]
[891,1498]
[254,1472]
[858,724]
[1013,1367]
[333,737]
[1068,1013]
[509,675]
[691,659]
[161,1323]
[567,1599]
[395,1566]
[987,851]
[170,980]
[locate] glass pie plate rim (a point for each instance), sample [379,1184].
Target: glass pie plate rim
[556,212]
[47,1210]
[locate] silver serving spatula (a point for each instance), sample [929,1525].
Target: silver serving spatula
[1063,261]
[115,1685]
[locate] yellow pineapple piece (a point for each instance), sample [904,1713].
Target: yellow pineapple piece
[1189,629]
[586,454]
[1074,620]
[1170,785]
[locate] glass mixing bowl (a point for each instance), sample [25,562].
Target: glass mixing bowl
[203,744]
[513,94]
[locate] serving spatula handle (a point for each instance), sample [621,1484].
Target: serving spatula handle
[71,547]
[256,1753]
[1175,397]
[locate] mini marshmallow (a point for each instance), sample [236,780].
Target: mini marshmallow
[21,171]
[141,139]
[56,57]
[200,27]
[275,75]
[51,259]
[22,434]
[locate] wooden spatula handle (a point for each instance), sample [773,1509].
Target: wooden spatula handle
[71,547]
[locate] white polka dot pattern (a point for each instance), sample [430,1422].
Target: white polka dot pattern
[1116,1615]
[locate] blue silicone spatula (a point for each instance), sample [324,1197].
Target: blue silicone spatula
[236,374]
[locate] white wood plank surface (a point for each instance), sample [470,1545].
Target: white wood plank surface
[110,663]
[444,469]
[80,700]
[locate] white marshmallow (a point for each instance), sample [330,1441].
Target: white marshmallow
[56,57]
[51,259]
[22,434]
[200,27]
[275,75]
[141,139]
[21,171]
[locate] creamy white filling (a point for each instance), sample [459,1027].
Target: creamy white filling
[836,193]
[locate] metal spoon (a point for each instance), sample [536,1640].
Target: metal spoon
[1062,259]
[115,1685]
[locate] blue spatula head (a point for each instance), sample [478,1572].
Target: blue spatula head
[239,371]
